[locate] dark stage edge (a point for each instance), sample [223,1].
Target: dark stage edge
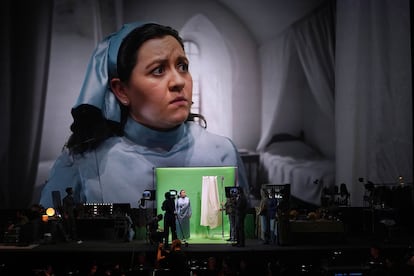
[71,256]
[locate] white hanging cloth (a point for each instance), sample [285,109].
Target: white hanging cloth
[210,203]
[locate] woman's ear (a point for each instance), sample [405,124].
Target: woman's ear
[119,90]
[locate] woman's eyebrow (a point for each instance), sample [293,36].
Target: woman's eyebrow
[156,61]
[165,60]
[183,58]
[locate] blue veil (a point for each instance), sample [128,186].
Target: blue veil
[102,67]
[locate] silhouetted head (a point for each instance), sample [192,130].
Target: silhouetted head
[69,190]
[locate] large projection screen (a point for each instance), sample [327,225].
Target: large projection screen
[191,180]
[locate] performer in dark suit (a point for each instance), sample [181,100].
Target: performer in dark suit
[241,210]
[168,206]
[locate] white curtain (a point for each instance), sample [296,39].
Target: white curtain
[315,43]
[279,62]
[210,203]
[299,62]
[373,93]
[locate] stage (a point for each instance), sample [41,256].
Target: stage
[318,247]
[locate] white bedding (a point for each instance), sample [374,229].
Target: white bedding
[297,164]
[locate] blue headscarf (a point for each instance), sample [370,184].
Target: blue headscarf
[102,67]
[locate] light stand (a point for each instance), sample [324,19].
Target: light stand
[222,208]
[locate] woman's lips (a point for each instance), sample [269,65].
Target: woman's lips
[179,100]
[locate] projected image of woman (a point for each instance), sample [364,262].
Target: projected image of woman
[183,209]
[133,115]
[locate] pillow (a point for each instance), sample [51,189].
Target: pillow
[281,137]
[295,149]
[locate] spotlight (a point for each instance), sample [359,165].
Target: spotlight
[50,212]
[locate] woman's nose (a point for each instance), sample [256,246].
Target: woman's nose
[177,81]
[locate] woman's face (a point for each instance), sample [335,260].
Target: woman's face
[159,93]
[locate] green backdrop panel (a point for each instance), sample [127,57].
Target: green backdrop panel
[190,179]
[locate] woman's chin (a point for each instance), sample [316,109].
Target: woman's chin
[178,119]
[171,124]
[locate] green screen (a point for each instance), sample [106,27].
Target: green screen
[190,179]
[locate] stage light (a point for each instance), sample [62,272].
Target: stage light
[50,212]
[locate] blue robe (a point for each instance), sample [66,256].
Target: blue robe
[184,212]
[122,168]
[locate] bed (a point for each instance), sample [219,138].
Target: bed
[287,159]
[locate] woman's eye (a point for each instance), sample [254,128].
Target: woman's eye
[183,67]
[158,71]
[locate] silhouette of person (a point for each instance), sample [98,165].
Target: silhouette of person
[241,210]
[155,235]
[69,216]
[168,206]
[230,207]
[174,259]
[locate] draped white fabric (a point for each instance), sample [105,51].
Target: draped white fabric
[278,61]
[210,203]
[373,93]
[298,82]
[316,55]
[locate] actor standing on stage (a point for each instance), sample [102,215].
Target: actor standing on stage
[69,216]
[183,209]
[241,210]
[230,208]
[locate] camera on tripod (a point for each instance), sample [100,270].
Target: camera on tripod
[173,194]
[147,195]
[232,191]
